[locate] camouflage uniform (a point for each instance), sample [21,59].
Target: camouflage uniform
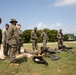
[13,41]
[20,41]
[44,39]
[60,38]
[5,41]
[34,40]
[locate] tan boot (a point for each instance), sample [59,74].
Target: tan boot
[14,64]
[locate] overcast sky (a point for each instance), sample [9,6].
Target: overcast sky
[52,14]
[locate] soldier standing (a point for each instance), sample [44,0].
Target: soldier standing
[34,39]
[60,39]
[13,42]
[5,40]
[44,38]
[20,38]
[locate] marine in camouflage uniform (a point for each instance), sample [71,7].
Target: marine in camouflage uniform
[34,39]
[44,38]
[60,39]
[5,40]
[13,41]
[20,38]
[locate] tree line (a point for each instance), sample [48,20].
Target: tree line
[51,36]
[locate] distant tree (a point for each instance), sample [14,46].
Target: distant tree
[39,35]
[52,35]
[75,38]
[66,37]
[26,36]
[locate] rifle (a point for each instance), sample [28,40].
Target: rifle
[68,49]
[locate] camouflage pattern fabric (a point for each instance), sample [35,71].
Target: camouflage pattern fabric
[20,41]
[44,39]
[60,39]
[4,40]
[13,42]
[34,40]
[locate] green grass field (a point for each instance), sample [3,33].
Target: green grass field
[66,65]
